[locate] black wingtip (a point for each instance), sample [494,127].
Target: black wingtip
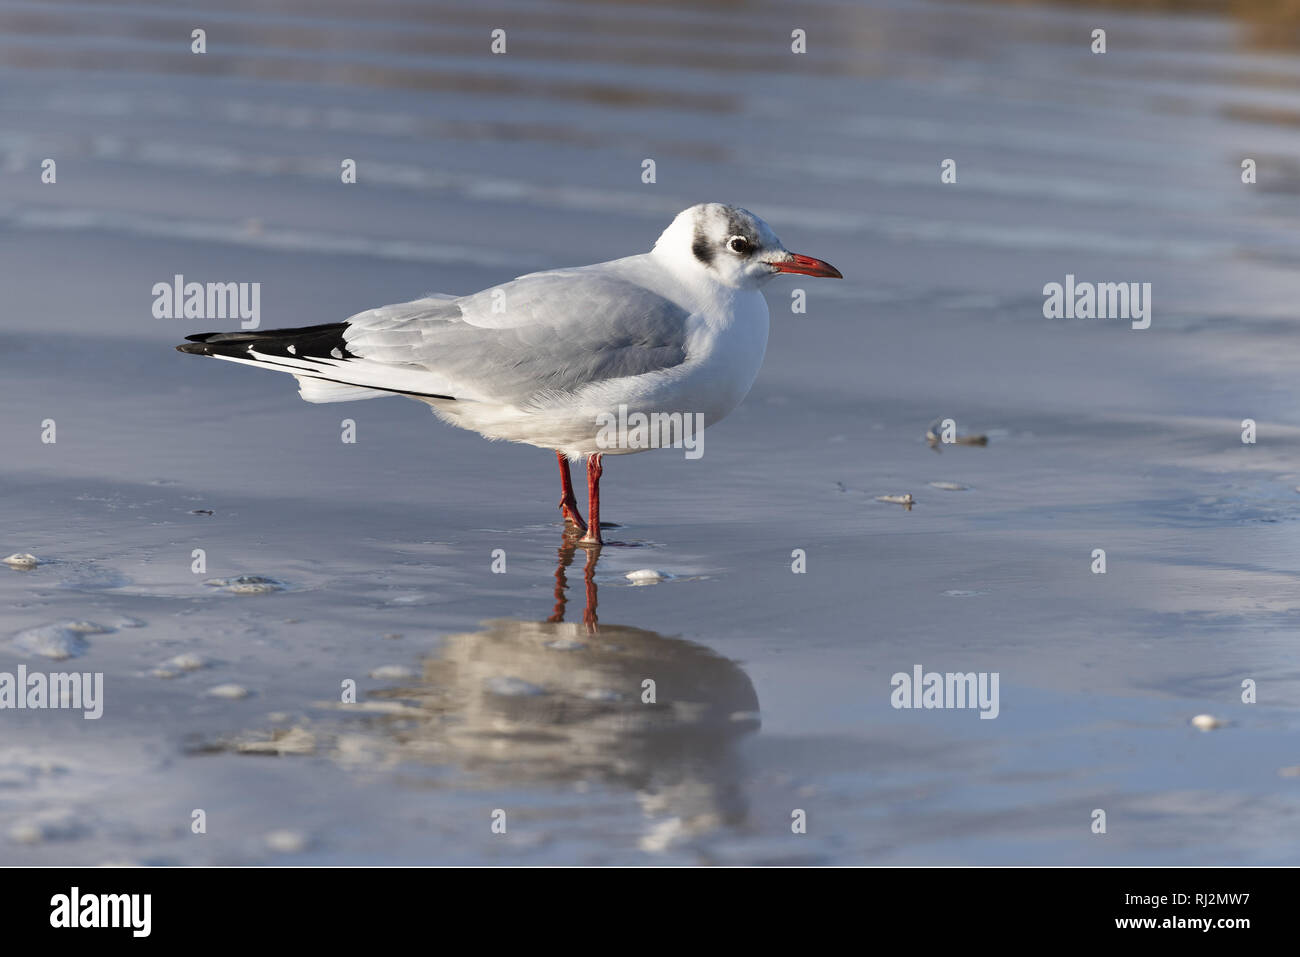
[304,342]
[195,344]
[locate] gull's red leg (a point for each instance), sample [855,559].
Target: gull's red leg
[594,471]
[569,503]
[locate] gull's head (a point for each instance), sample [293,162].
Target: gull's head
[731,246]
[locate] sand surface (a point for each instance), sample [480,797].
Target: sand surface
[773,688]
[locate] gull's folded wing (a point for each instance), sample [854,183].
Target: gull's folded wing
[538,335]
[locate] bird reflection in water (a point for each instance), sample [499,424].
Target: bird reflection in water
[567,551]
[522,704]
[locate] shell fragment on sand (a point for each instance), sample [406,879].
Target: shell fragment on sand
[290,741]
[647,576]
[246,585]
[180,664]
[392,673]
[934,437]
[904,500]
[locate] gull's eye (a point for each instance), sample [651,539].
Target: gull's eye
[738,244]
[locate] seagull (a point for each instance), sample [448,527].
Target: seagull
[548,358]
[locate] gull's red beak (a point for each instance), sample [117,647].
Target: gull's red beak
[806,266]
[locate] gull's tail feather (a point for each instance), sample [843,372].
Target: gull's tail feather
[317,356]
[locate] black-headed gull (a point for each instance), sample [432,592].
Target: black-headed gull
[549,359]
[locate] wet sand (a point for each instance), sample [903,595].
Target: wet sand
[773,688]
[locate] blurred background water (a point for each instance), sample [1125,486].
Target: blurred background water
[482,691]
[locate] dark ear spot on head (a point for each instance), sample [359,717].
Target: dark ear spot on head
[701,248]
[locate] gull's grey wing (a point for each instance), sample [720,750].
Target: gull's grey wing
[550,332]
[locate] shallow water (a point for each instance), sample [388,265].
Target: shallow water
[773,688]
